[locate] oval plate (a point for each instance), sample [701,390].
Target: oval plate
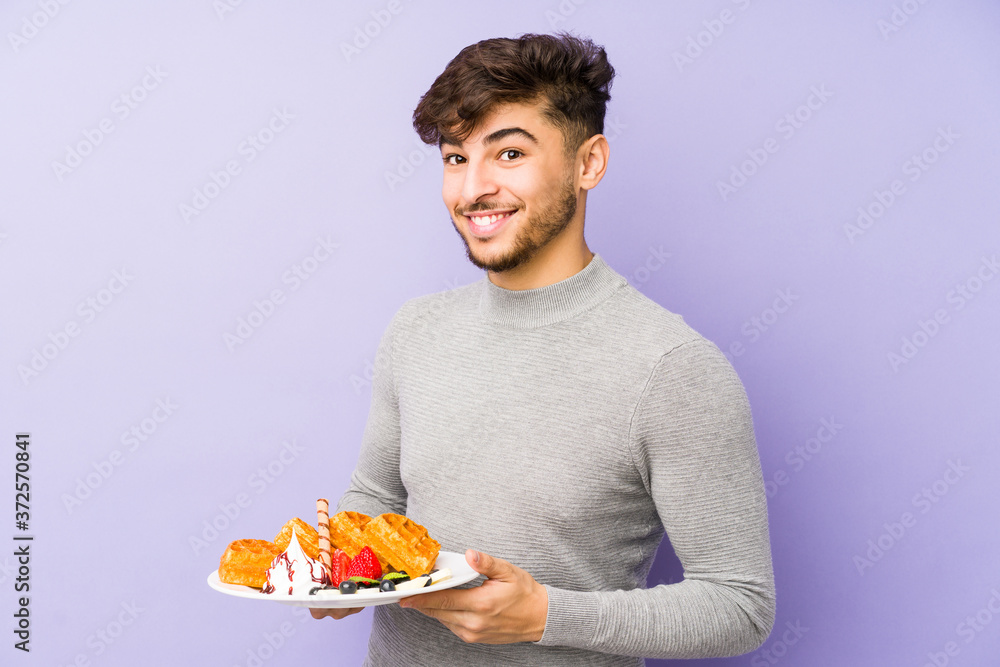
[461,573]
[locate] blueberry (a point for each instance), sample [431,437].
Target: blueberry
[348,587]
[387,586]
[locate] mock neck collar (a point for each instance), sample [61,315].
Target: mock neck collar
[540,306]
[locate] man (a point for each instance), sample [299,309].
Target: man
[550,418]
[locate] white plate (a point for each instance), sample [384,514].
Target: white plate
[461,573]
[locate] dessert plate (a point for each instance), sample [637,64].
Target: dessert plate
[461,573]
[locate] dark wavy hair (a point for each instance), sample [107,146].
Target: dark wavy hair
[570,75]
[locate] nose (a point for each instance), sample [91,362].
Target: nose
[479,182]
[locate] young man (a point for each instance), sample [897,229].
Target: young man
[550,418]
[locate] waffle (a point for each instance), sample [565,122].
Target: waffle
[347,534]
[345,531]
[308,537]
[245,562]
[402,542]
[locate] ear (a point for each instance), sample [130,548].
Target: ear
[594,154]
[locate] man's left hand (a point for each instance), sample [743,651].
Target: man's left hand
[509,607]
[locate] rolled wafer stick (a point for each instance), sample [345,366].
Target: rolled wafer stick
[323,517]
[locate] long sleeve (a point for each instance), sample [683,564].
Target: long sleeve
[375,483]
[692,442]
[566,429]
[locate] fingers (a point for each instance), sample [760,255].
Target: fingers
[459,621]
[492,568]
[335,614]
[450,599]
[466,624]
[470,631]
[510,606]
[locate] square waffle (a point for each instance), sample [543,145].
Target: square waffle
[245,562]
[402,542]
[347,534]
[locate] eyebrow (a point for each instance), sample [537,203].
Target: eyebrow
[494,137]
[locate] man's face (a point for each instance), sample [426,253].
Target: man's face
[514,167]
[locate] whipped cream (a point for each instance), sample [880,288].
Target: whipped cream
[293,572]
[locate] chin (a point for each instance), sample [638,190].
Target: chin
[498,264]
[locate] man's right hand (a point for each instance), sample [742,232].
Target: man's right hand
[333,613]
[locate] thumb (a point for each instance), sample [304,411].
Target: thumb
[492,568]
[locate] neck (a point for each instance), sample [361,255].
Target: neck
[552,264]
[541,306]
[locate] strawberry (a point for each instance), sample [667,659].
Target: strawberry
[365,564]
[341,562]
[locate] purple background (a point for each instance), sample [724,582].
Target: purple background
[676,128]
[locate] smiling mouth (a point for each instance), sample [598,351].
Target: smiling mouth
[485,226]
[485,220]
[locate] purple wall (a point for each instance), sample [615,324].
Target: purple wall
[811,185]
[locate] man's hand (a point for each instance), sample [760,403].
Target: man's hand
[333,613]
[509,607]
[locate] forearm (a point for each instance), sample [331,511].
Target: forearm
[690,619]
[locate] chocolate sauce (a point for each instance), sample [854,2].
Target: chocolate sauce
[323,578]
[268,587]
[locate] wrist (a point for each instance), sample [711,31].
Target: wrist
[540,611]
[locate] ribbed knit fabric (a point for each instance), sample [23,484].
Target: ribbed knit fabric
[563,429]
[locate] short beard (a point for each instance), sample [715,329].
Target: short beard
[534,234]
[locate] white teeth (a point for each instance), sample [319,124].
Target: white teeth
[484,220]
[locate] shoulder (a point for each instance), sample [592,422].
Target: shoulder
[420,311]
[666,348]
[654,329]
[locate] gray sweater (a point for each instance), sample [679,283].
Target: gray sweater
[563,429]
